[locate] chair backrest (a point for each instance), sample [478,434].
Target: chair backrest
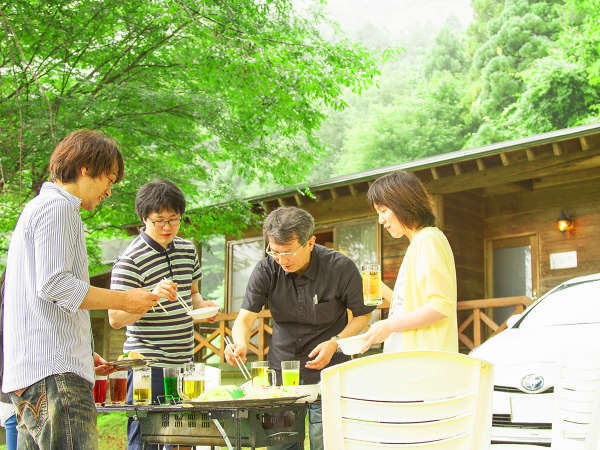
[577,402]
[417,400]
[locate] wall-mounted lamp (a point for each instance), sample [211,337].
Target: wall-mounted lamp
[564,222]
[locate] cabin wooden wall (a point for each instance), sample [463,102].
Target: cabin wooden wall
[537,211]
[463,225]
[108,342]
[462,222]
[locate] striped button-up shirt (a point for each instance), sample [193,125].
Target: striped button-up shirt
[168,337]
[45,332]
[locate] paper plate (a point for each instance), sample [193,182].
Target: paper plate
[204,313]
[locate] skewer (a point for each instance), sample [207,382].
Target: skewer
[238,361]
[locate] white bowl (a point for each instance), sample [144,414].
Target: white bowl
[351,345]
[204,313]
[310,391]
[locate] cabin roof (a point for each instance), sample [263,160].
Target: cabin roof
[439,169]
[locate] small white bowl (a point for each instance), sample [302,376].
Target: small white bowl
[351,345]
[204,313]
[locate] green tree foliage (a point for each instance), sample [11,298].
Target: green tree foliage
[423,122]
[202,92]
[516,38]
[581,41]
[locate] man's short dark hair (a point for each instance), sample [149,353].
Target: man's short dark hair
[156,195]
[287,223]
[92,149]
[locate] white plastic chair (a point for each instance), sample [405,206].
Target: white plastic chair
[409,400]
[576,420]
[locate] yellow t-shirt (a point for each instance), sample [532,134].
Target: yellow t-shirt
[431,279]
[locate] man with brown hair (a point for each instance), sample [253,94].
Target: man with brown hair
[49,361]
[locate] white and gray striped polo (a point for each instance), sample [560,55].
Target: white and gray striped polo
[166,336]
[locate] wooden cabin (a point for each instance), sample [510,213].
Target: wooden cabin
[498,205]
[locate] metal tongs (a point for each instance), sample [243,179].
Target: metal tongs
[238,361]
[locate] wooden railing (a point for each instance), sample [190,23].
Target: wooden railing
[209,340]
[480,318]
[206,336]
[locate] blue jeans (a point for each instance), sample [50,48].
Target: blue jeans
[57,412]
[11,432]
[315,431]
[134,437]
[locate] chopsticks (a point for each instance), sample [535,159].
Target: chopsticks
[181,301]
[238,361]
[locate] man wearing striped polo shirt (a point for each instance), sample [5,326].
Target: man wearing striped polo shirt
[49,359]
[160,260]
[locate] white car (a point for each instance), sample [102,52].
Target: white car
[526,357]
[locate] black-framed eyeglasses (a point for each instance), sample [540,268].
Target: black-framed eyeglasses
[274,255]
[164,223]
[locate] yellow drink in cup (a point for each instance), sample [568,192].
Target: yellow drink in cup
[192,388]
[142,385]
[261,374]
[141,395]
[290,377]
[371,279]
[190,383]
[290,373]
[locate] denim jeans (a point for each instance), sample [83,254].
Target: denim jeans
[57,412]
[315,432]
[11,432]
[134,437]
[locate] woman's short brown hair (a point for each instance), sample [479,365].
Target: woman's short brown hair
[405,195]
[92,149]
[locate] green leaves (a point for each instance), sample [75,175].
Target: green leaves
[200,92]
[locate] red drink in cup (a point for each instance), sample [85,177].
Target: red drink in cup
[100,389]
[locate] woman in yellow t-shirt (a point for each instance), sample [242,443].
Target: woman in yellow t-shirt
[423,303]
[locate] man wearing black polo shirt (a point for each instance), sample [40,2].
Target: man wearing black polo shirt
[309,289]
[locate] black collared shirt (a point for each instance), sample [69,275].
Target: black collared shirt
[306,309]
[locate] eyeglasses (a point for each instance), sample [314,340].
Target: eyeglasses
[274,255]
[163,223]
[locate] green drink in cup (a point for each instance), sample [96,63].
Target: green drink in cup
[290,373]
[170,382]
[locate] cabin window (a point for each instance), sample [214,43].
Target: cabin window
[243,256]
[357,239]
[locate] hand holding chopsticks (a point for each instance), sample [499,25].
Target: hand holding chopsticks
[178,297]
[238,361]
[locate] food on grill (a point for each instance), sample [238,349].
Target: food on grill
[232,392]
[219,393]
[131,355]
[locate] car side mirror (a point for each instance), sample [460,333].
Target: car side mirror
[512,320]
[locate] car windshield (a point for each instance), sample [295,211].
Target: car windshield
[576,303]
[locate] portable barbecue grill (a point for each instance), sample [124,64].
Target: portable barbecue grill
[235,424]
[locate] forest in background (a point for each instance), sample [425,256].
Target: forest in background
[231,99]
[521,67]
